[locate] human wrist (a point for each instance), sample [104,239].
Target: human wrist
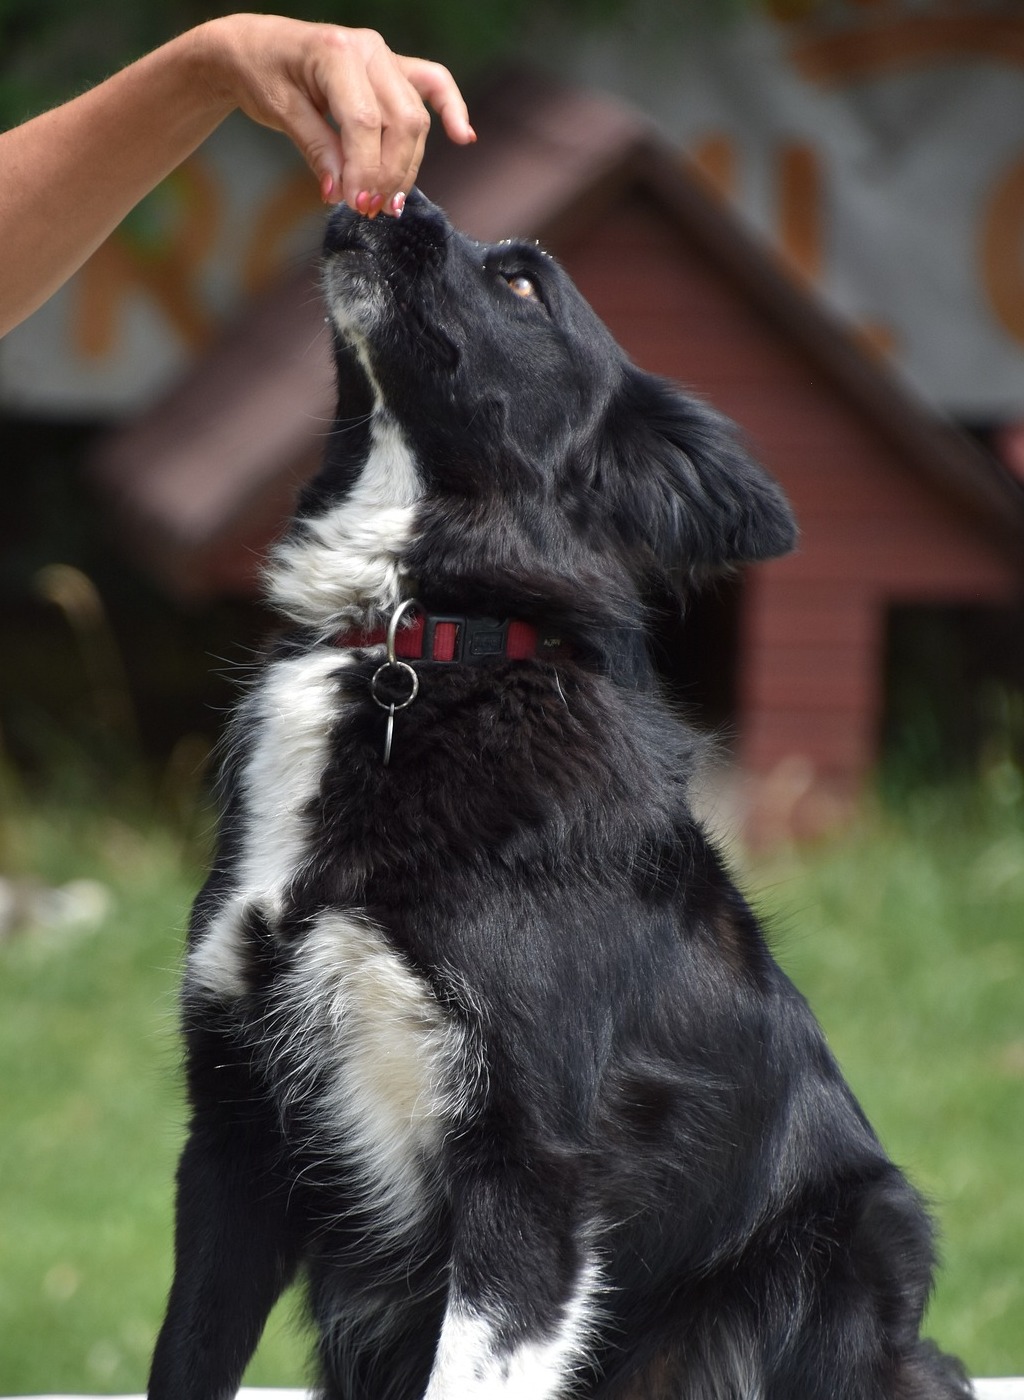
[210,51]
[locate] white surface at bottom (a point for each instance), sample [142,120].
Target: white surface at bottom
[1010,1388]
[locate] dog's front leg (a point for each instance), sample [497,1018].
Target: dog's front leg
[522,1295]
[234,1253]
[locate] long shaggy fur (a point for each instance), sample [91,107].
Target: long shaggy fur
[485,1043]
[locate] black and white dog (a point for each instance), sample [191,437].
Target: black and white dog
[481,1037]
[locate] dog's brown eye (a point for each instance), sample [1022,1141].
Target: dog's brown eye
[523,286]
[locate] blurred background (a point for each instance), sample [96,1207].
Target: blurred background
[810,212]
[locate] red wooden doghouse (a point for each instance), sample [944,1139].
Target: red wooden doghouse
[895,506]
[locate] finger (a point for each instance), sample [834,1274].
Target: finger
[353,104]
[396,203]
[405,125]
[320,146]
[436,85]
[417,159]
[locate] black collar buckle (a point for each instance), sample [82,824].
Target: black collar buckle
[477,639]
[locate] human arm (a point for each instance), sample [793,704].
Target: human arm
[69,176]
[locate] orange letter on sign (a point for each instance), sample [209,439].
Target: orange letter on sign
[167,272]
[1002,250]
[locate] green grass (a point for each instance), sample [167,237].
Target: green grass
[908,936]
[91,1116]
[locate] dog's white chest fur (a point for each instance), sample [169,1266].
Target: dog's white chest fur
[349,559]
[359,1050]
[367,1053]
[287,726]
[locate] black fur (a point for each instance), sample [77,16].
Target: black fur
[642,1086]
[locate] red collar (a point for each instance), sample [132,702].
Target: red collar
[470,640]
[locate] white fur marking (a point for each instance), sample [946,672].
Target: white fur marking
[345,563]
[289,719]
[353,1017]
[357,301]
[469,1366]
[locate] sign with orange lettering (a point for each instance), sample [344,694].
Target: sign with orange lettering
[878,146]
[156,292]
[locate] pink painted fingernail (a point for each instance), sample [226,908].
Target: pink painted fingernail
[376,205]
[398,204]
[363,201]
[326,187]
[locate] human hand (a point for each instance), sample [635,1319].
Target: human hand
[298,78]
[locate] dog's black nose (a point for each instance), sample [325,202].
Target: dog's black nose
[427,218]
[418,203]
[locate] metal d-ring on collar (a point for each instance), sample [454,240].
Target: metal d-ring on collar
[393,664]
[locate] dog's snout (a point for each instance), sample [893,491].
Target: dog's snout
[418,203]
[341,231]
[423,210]
[421,224]
[420,234]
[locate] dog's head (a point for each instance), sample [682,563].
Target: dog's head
[536,469]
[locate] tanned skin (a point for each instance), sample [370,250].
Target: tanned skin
[354,109]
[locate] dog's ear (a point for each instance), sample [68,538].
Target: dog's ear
[686,491]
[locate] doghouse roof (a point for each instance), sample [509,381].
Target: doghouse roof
[204,478]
